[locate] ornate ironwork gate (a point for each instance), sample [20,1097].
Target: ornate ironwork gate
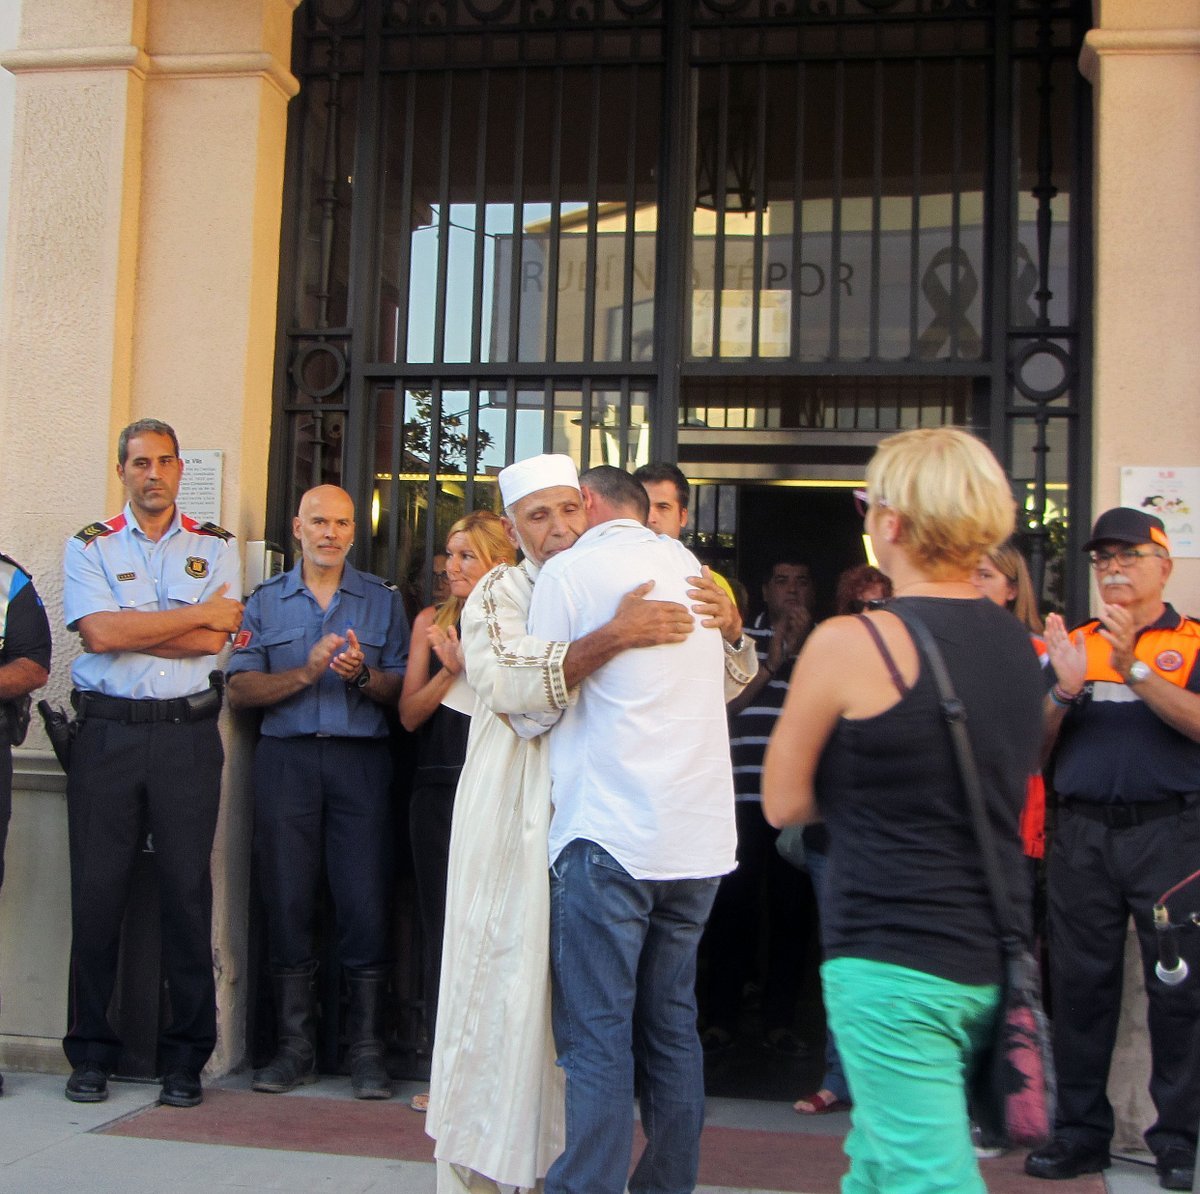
[751,235]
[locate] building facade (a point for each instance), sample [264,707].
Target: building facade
[396,244]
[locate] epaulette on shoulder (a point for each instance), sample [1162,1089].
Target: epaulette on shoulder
[97,530]
[373,578]
[211,528]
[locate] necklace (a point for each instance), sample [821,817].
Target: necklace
[940,588]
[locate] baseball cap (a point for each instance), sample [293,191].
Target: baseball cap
[1123,524]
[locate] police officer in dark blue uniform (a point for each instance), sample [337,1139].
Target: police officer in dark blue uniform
[322,650]
[24,666]
[149,593]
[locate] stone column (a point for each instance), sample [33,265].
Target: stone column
[1143,60]
[141,280]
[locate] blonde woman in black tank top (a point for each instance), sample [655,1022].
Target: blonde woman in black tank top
[912,951]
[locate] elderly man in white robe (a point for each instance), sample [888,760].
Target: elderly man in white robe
[496,1096]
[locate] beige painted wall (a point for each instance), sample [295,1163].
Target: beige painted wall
[1144,64]
[141,275]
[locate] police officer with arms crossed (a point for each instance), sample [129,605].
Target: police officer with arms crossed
[323,648]
[1125,720]
[24,666]
[149,593]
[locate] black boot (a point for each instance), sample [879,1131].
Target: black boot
[295,1057]
[364,1030]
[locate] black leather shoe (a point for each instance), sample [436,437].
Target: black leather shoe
[181,1088]
[88,1083]
[1064,1158]
[1176,1168]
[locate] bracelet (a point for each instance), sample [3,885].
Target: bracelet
[1062,699]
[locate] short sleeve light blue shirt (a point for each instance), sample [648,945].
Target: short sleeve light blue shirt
[284,622]
[113,566]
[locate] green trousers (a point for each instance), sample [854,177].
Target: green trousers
[906,1040]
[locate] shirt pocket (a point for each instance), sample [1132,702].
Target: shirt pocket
[136,594]
[371,639]
[186,592]
[285,647]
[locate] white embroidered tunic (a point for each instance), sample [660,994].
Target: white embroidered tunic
[496,1096]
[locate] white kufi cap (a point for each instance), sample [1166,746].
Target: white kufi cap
[538,472]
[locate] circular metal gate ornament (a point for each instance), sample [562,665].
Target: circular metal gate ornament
[336,360]
[1032,360]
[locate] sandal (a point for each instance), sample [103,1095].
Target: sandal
[821,1103]
[420,1102]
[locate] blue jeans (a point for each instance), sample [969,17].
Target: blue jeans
[623,961]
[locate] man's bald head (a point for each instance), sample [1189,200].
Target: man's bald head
[324,528]
[325,495]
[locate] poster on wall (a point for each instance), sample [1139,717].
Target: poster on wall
[200,484]
[1174,495]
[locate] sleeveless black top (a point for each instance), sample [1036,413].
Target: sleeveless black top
[441,741]
[904,878]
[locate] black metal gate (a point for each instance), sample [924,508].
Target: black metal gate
[719,231]
[752,236]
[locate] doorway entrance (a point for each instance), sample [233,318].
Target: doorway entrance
[762,1016]
[813,521]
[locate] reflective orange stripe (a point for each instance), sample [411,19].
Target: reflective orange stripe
[1170,651]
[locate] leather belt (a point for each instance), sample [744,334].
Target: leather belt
[200,706]
[1124,816]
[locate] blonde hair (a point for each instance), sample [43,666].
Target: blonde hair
[1010,563]
[489,541]
[950,494]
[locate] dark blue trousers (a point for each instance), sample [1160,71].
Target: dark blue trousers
[324,797]
[173,772]
[5,801]
[1098,877]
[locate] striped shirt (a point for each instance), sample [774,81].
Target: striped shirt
[750,730]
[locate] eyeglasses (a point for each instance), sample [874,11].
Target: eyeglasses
[862,502]
[1124,556]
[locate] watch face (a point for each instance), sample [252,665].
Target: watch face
[1139,671]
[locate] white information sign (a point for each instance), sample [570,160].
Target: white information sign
[1174,495]
[200,486]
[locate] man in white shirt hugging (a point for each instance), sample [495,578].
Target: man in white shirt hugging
[642,830]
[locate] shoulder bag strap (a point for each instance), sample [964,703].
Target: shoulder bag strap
[955,714]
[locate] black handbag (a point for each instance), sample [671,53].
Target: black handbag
[1011,1089]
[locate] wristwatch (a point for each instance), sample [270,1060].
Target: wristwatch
[1138,671]
[363,678]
